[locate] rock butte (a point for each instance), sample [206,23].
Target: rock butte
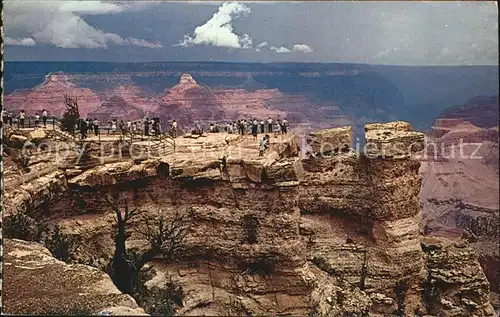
[337,234]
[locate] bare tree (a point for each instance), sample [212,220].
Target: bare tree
[165,236]
[71,115]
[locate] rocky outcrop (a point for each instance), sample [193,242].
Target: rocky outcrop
[274,234]
[453,292]
[35,282]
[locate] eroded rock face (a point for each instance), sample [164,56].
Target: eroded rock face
[452,205]
[277,234]
[40,284]
[470,292]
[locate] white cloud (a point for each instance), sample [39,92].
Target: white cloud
[27,41]
[302,48]
[280,49]
[263,44]
[59,23]
[218,31]
[91,7]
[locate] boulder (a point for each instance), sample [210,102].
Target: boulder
[330,140]
[18,140]
[37,135]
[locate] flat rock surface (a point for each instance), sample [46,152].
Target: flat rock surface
[40,284]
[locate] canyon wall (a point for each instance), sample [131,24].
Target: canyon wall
[334,233]
[459,195]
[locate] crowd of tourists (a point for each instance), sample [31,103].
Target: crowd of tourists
[9,118]
[254,127]
[146,127]
[152,126]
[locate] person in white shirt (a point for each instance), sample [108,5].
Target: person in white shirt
[284,126]
[44,117]
[129,125]
[96,126]
[270,125]
[37,120]
[262,126]
[22,117]
[174,128]
[134,127]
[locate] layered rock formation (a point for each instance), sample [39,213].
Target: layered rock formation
[459,195]
[331,234]
[116,107]
[49,95]
[481,111]
[124,95]
[188,101]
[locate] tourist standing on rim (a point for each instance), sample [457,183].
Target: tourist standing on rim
[264,144]
[146,127]
[174,129]
[113,126]
[4,115]
[254,128]
[22,117]
[284,126]
[44,117]
[83,128]
[241,125]
[96,126]
[90,126]
[9,117]
[262,126]
[37,119]
[270,125]
[129,125]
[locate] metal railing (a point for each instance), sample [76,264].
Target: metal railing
[29,122]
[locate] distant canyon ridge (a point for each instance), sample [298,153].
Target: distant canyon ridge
[310,96]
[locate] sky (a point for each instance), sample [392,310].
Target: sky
[392,33]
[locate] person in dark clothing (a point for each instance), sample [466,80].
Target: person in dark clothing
[4,116]
[155,126]
[241,125]
[262,126]
[90,125]
[83,128]
[121,126]
[254,128]
[146,127]
[44,117]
